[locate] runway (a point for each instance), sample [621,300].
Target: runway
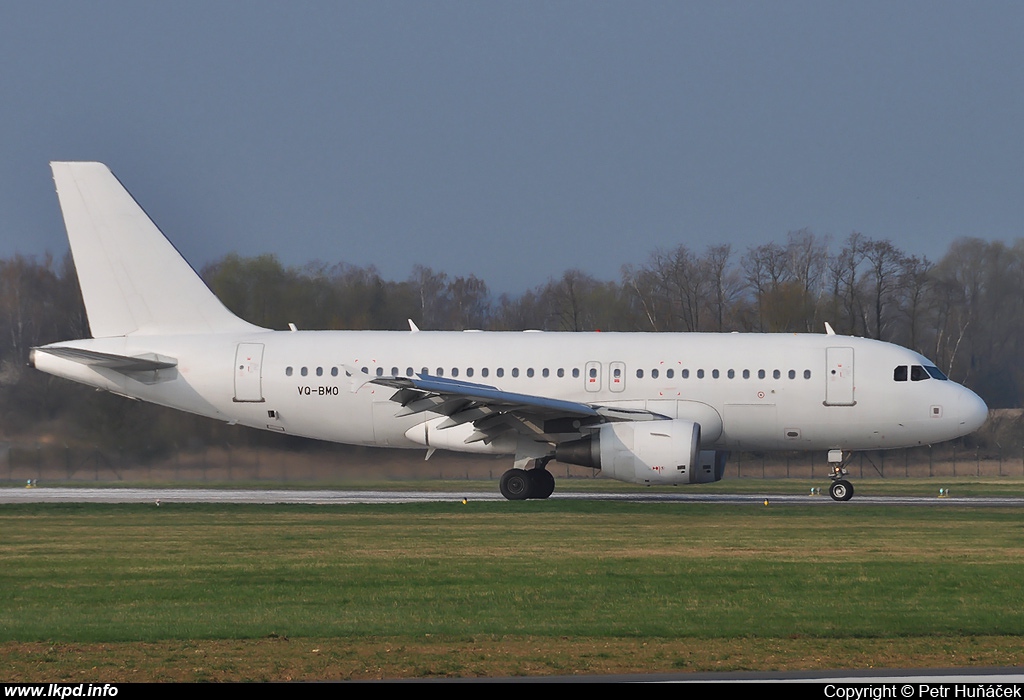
[349,497]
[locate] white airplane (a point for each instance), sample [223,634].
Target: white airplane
[646,408]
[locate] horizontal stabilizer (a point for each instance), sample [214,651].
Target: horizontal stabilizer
[119,363]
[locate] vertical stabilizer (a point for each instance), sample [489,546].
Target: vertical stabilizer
[132,278]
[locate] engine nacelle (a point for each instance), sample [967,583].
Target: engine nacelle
[648,452]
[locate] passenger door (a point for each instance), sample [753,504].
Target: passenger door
[248,373]
[839,386]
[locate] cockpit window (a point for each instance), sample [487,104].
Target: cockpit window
[917,373]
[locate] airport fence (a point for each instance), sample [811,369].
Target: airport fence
[49,463]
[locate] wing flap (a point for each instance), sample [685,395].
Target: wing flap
[494,412]
[485,395]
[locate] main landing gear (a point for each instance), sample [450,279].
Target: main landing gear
[841,489]
[521,484]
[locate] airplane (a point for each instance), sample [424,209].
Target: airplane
[644,408]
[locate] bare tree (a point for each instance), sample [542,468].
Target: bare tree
[884,264]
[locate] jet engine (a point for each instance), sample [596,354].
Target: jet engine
[648,452]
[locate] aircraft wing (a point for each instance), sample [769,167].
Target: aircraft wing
[493,411]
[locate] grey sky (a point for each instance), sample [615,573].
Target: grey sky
[516,140]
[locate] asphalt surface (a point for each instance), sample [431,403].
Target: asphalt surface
[339,497]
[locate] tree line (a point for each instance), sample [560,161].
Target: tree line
[963,311]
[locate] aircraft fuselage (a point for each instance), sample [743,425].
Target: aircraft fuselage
[748,391]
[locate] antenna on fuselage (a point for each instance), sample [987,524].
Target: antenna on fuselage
[828,329]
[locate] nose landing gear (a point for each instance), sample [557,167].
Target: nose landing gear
[841,489]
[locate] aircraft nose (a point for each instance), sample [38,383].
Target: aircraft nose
[972,411]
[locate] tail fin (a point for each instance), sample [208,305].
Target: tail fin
[132,278]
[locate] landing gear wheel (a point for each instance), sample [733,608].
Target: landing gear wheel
[542,484]
[841,490]
[515,484]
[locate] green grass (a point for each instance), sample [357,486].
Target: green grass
[106,573]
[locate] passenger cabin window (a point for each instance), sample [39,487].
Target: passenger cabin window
[576,373]
[334,371]
[287,371]
[319,371]
[304,371]
[639,373]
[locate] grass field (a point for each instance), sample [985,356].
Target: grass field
[287,592]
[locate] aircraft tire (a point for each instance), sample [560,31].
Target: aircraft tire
[542,483]
[841,490]
[515,485]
